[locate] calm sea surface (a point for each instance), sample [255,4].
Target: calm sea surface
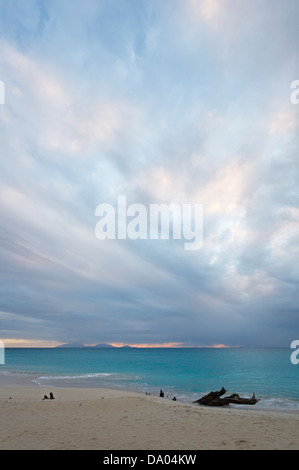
[185,373]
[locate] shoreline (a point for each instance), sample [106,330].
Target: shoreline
[28,380]
[109,419]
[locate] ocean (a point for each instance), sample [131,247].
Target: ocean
[186,373]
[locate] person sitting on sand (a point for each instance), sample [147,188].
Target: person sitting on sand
[51,397]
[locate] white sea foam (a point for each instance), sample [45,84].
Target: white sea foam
[87,379]
[74,377]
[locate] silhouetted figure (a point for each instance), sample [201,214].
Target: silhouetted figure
[161,393]
[52,396]
[45,397]
[174,399]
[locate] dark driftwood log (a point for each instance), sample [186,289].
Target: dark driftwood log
[214,399]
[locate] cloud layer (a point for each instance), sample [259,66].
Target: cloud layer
[174,101]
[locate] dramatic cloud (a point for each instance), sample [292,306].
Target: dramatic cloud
[180,101]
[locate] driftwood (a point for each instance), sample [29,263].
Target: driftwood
[213,399]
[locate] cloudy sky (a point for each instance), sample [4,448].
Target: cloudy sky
[184,101]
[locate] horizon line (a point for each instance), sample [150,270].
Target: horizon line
[40,344]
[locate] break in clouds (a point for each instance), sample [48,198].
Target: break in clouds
[173,102]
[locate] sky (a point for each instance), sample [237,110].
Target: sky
[173,101]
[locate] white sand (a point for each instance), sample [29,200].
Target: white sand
[112,420]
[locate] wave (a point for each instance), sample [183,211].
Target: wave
[278,403]
[17,373]
[71,377]
[266,402]
[86,379]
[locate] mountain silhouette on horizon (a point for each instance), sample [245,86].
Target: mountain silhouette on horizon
[80,345]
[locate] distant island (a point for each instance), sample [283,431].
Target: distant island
[101,345]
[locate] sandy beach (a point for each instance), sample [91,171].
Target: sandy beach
[106,419]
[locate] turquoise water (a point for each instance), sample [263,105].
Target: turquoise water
[185,373]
